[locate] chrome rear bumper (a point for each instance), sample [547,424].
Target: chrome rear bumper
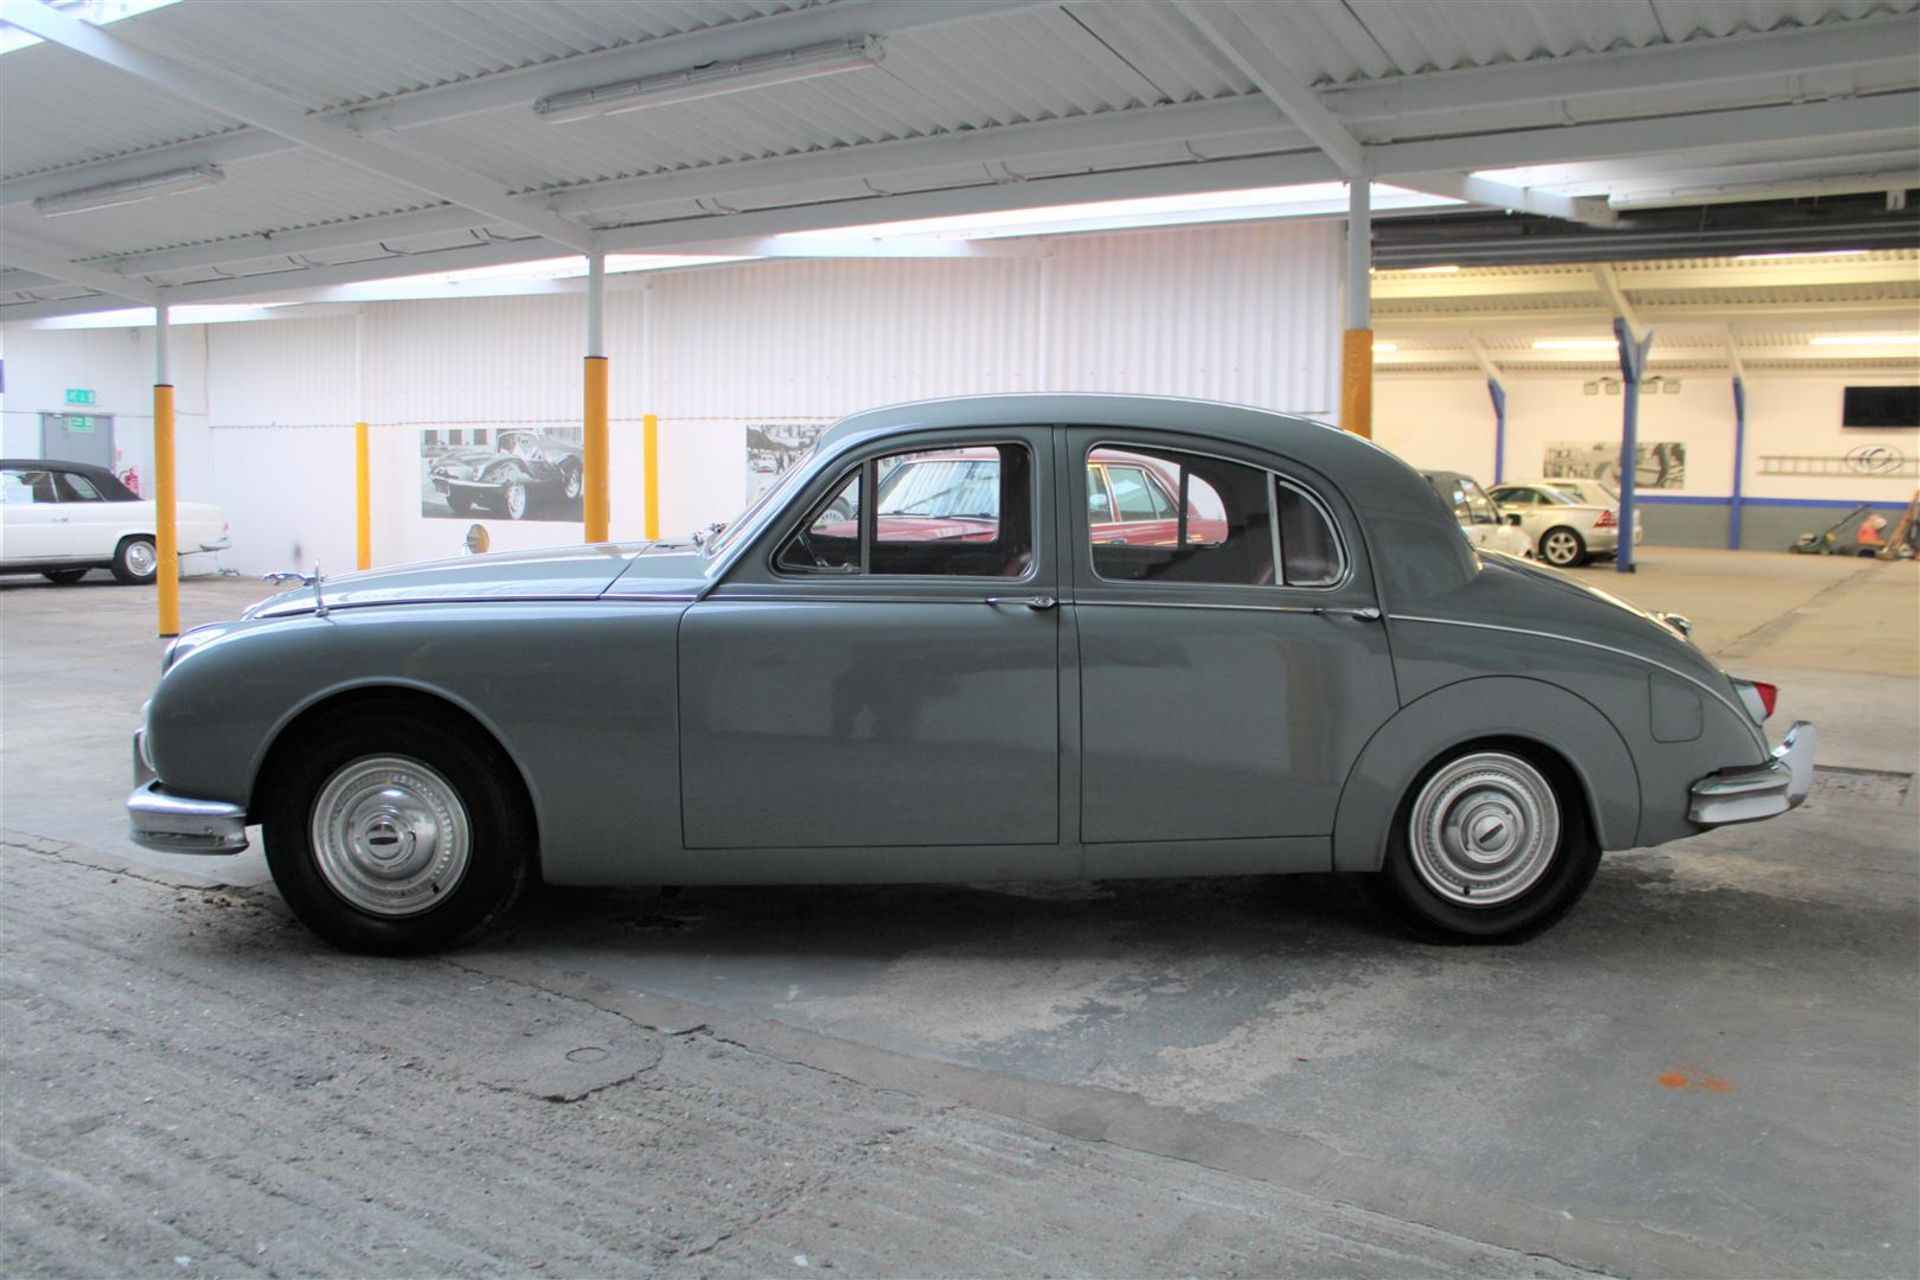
[167,823]
[1758,791]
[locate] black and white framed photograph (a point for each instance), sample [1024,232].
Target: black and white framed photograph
[774,447]
[506,473]
[1660,464]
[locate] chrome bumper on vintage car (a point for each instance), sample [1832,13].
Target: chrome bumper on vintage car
[1758,791]
[167,823]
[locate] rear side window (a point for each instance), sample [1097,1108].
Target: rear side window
[1309,549]
[1213,523]
[74,487]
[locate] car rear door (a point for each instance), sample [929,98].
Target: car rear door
[1227,682]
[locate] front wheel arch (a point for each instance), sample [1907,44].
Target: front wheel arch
[366,698]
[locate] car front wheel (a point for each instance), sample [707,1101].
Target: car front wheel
[1563,548]
[1489,845]
[135,561]
[396,832]
[514,499]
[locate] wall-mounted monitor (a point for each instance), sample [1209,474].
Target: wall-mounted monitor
[1881,407]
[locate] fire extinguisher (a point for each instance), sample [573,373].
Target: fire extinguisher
[131,478]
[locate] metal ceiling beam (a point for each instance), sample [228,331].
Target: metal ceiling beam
[1758,127]
[1078,136]
[1230,35]
[1862,43]
[1218,175]
[1591,210]
[269,111]
[1617,299]
[48,260]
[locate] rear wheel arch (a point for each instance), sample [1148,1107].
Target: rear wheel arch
[1557,730]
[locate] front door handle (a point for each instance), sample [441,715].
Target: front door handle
[1032,602]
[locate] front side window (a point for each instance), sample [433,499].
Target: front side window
[26,488]
[949,512]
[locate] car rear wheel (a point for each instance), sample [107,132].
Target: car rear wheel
[135,561]
[1489,845]
[1563,548]
[570,483]
[397,831]
[64,577]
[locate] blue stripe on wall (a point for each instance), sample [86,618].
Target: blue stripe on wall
[1689,500]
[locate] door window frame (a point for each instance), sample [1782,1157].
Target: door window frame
[1084,442]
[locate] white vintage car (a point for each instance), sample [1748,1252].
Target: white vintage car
[1569,521]
[61,519]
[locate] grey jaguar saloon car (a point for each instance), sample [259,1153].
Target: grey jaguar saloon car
[1304,667]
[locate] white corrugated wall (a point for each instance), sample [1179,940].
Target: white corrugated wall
[1246,313]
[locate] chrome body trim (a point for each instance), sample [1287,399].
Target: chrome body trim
[167,823]
[1759,791]
[1691,679]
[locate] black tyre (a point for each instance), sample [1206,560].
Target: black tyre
[135,561]
[64,577]
[1490,845]
[1563,548]
[570,483]
[395,830]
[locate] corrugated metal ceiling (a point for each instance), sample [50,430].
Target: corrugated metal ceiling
[1078,58]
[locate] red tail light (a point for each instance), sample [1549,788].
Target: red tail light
[1758,696]
[1607,520]
[1769,694]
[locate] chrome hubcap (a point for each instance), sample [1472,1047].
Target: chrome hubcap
[141,558]
[516,500]
[1561,548]
[1484,829]
[390,835]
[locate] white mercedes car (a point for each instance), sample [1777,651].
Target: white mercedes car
[61,519]
[1569,521]
[1479,517]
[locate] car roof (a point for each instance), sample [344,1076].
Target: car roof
[104,480]
[1399,509]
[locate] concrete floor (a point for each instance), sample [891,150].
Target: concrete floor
[1709,1068]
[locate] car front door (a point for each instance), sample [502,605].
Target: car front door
[1227,680]
[885,674]
[33,528]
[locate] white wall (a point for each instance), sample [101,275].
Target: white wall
[1447,421]
[1245,313]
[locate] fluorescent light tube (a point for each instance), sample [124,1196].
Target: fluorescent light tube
[1864,340]
[711,80]
[1381,348]
[129,191]
[1575,344]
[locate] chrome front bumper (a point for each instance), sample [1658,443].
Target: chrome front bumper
[1758,791]
[167,823]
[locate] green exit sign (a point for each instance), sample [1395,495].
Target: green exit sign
[79,395]
[78,425]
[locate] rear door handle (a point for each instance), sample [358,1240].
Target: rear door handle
[1032,602]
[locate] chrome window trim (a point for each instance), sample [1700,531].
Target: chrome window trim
[773,597]
[1739,714]
[1323,609]
[864,573]
[1274,477]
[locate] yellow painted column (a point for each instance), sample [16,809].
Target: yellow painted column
[362,498]
[594,451]
[1356,382]
[166,534]
[650,473]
